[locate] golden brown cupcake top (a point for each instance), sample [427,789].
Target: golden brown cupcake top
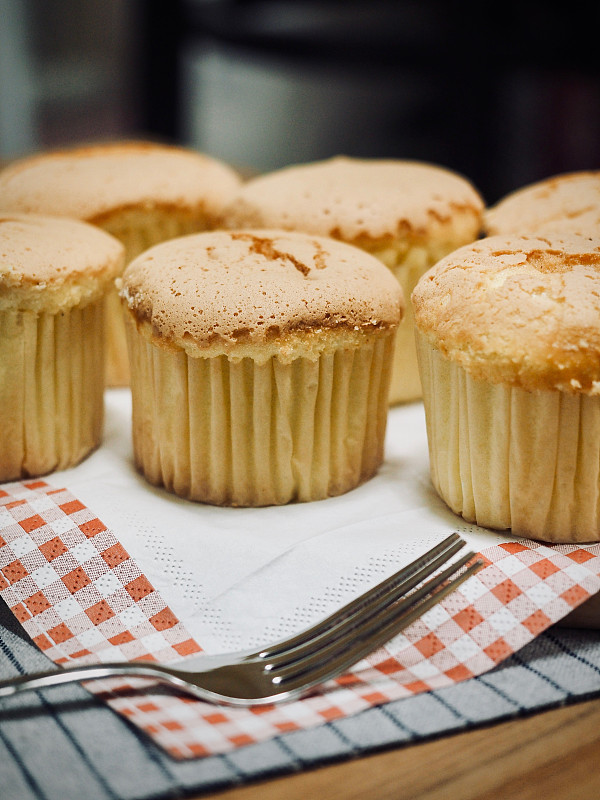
[570,201]
[363,201]
[518,310]
[51,264]
[94,181]
[224,289]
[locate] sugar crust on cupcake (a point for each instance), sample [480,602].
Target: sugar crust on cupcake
[523,311]
[570,201]
[96,182]
[255,287]
[49,264]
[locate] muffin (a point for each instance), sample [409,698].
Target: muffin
[508,337]
[140,192]
[54,274]
[260,365]
[407,214]
[570,201]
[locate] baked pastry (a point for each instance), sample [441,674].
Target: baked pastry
[140,192]
[570,201]
[54,274]
[260,365]
[407,214]
[508,336]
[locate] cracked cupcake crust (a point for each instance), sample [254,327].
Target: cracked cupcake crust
[569,202]
[368,202]
[52,264]
[225,291]
[97,182]
[522,311]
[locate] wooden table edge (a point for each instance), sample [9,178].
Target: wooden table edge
[551,754]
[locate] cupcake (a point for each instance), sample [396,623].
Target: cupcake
[407,214]
[54,274]
[570,201]
[260,365]
[508,337]
[141,193]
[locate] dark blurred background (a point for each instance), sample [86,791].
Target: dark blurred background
[503,93]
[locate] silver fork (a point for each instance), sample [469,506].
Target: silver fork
[293,667]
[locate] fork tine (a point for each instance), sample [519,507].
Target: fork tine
[373,599]
[342,654]
[368,604]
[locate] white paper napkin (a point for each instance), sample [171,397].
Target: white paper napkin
[239,577]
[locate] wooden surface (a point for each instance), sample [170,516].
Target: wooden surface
[587,615]
[552,755]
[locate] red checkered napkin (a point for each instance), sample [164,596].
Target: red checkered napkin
[80,597]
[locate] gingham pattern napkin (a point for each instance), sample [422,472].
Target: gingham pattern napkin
[80,597]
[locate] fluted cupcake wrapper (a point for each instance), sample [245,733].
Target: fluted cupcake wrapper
[506,458]
[51,389]
[242,432]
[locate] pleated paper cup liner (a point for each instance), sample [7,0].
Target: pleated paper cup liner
[246,432]
[506,458]
[51,392]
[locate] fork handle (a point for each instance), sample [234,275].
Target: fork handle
[54,677]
